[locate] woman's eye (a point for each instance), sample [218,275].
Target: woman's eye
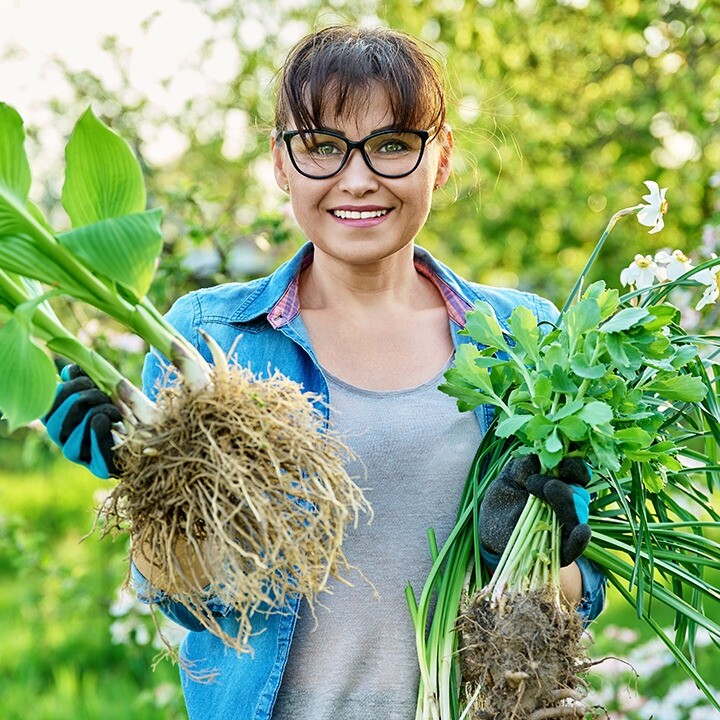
[393,146]
[325,148]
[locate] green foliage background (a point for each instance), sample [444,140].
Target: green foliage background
[560,108]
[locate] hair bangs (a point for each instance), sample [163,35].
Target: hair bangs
[334,72]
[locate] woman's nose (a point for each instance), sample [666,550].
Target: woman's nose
[356,177]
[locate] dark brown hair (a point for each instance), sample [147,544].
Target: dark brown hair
[349,61]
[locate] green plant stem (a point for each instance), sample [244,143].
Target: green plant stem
[578,285]
[60,340]
[522,369]
[142,318]
[516,551]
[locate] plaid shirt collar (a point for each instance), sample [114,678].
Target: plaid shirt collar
[287,307]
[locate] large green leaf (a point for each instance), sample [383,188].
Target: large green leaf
[510,425]
[581,367]
[102,177]
[686,388]
[624,320]
[18,254]
[581,317]
[482,326]
[123,249]
[14,166]
[596,413]
[524,326]
[27,375]
[14,170]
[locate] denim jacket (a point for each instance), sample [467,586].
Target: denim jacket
[265,315]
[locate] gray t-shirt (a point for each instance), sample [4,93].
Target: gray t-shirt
[414,451]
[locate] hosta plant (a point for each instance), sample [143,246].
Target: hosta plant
[183,469]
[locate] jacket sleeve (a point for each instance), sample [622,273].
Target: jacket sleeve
[594,583]
[174,609]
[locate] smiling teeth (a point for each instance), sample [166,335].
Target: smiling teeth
[356,215]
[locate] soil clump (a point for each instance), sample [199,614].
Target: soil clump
[522,658]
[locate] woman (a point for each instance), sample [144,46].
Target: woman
[369,321]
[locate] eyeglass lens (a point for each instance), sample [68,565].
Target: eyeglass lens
[393,153]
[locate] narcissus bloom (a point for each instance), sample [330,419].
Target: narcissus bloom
[651,215]
[675,265]
[708,277]
[642,272]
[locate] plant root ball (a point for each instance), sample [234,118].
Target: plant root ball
[237,492]
[522,658]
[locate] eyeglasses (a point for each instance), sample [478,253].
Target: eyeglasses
[320,154]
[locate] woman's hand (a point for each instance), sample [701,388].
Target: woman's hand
[506,496]
[80,421]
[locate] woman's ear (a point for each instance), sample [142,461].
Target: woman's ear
[445,141]
[279,158]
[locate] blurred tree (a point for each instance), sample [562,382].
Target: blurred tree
[561,108]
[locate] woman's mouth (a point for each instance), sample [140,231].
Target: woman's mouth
[357,217]
[358,214]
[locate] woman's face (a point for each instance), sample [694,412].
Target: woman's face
[402,204]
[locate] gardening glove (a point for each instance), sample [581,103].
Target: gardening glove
[80,422]
[506,496]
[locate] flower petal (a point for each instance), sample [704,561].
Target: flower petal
[627,276]
[645,278]
[709,297]
[648,215]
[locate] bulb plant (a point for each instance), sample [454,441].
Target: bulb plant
[226,478]
[618,382]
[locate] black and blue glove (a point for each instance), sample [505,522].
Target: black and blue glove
[80,421]
[506,496]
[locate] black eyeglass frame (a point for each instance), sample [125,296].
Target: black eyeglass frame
[288,135]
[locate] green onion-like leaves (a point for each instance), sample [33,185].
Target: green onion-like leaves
[102,177]
[123,249]
[29,376]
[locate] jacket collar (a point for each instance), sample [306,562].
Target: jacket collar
[276,296]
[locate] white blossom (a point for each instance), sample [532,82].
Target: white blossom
[675,265]
[651,215]
[709,297]
[708,277]
[642,272]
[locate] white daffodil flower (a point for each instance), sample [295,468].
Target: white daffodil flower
[642,272]
[675,265]
[651,215]
[710,296]
[709,277]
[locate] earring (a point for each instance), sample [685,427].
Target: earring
[286,187]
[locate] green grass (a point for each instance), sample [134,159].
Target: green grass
[57,659]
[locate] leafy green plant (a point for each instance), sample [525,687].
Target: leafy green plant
[107,260]
[618,382]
